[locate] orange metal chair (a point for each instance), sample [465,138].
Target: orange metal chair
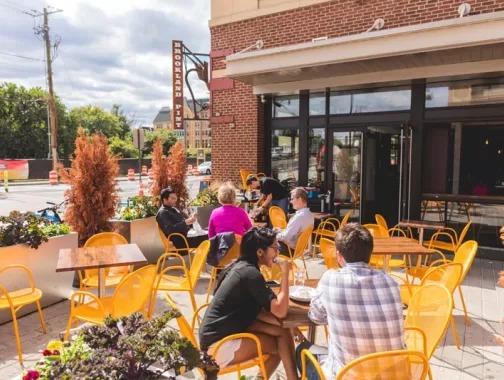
[455,240]
[465,256]
[447,275]
[130,296]
[89,279]
[388,365]
[277,217]
[328,249]
[307,354]
[377,260]
[245,174]
[168,283]
[188,332]
[169,247]
[429,313]
[346,218]
[380,220]
[232,254]
[301,247]
[327,228]
[15,300]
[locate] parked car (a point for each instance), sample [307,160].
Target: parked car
[205,168]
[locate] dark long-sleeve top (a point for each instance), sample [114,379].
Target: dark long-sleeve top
[171,220]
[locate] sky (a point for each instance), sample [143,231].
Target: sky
[110,52]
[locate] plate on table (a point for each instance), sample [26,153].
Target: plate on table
[302,293]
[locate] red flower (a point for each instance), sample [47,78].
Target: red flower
[31,375]
[56,352]
[46,352]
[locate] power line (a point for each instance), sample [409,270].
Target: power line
[31,14]
[21,56]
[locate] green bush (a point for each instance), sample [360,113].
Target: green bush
[140,208]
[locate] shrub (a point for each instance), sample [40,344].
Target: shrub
[160,169]
[21,228]
[54,229]
[207,197]
[92,196]
[140,208]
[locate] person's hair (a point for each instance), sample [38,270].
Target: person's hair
[251,179]
[254,239]
[227,194]
[299,192]
[165,193]
[354,242]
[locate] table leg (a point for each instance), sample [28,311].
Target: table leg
[420,241]
[386,267]
[311,334]
[101,283]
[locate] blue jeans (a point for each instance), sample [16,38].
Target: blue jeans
[283,204]
[320,353]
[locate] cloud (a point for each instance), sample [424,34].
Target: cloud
[111,51]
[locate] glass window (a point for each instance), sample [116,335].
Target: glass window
[286,106]
[317,104]
[285,154]
[397,99]
[316,158]
[465,93]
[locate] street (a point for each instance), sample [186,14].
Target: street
[34,197]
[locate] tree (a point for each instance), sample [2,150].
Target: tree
[160,169]
[123,147]
[92,196]
[95,119]
[177,180]
[23,121]
[167,137]
[126,122]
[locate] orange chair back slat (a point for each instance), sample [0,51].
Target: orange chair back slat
[429,310]
[376,230]
[198,261]
[380,220]
[277,217]
[465,255]
[346,218]
[328,249]
[101,240]
[302,243]
[133,292]
[464,233]
[389,365]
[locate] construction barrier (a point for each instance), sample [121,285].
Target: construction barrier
[131,175]
[195,171]
[144,170]
[141,190]
[53,177]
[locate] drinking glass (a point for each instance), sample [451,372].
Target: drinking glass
[299,277]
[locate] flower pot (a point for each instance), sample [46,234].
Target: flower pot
[204,213]
[143,233]
[42,264]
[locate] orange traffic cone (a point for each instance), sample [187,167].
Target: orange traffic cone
[141,190]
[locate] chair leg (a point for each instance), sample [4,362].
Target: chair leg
[193,301]
[429,373]
[69,326]
[455,335]
[41,317]
[213,278]
[306,269]
[152,303]
[468,321]
[16,334]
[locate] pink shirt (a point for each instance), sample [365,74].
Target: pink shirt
[228,218]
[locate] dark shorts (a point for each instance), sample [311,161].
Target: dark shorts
[320,353]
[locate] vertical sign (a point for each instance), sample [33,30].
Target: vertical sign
[178,85]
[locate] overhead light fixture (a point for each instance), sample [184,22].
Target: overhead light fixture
[464,9]
[499,151]
[486,142]
[258,45]
[378,25]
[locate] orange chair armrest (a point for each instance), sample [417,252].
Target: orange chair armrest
[7,297]
[441,233]
[403,280]
[455,234]
[440,261]
[86,294]
[166,270]
[395,229]
[304,354]
[176,255]
[23,267]
[424,336]
[196,314]
[240,336]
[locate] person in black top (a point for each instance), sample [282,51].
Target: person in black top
[243,303]
[171,220]
[273,193]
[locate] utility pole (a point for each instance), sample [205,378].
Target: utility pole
[50,101]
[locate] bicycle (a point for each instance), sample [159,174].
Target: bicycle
[52,213]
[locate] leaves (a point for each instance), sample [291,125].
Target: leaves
[207,197]
[18,228]
[167,137]
[140,208]
[92,196]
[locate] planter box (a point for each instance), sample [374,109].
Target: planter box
[143,233]
[204,213]
[42,263]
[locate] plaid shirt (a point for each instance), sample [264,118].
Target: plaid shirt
[364,311]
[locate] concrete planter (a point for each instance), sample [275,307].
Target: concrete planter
[42,263]
[204,213]
[143,233]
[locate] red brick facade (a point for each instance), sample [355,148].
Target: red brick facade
[243,145]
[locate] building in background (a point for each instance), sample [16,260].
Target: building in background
[395,107]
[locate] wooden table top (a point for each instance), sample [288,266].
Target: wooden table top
[422,224]
[398,246]
[297,316]
[71,259]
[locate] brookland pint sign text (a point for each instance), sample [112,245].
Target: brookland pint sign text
[178,85]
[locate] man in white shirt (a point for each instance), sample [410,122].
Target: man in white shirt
[297,224]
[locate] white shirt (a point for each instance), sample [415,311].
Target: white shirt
[296,226]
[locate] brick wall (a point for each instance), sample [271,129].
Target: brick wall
[243,146]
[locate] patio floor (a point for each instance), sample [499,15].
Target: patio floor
[479,357]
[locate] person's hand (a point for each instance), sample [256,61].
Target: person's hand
[285,266]
[298,335]
[502,235]
[190,220]
[276,229]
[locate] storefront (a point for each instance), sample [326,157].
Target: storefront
[404,122]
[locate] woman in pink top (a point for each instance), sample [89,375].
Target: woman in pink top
[228,218]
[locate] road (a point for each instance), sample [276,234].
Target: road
[34,197]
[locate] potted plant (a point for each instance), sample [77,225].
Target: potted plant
[137,223]
[205,202]
[34,242]
[129,348]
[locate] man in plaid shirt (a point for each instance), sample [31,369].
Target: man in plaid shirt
[362,306]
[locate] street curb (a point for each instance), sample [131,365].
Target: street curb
[44,182]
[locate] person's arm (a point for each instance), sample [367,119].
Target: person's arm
[280,306]
[247,223]
[268,200]
[267,317]
[317,312]
[211,226]
[293,229]
[170,225]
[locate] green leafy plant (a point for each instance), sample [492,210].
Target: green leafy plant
[54,229]
[125,349]
[21,228]
[207,197]
[140,208]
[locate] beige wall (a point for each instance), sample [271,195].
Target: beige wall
[226,11]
